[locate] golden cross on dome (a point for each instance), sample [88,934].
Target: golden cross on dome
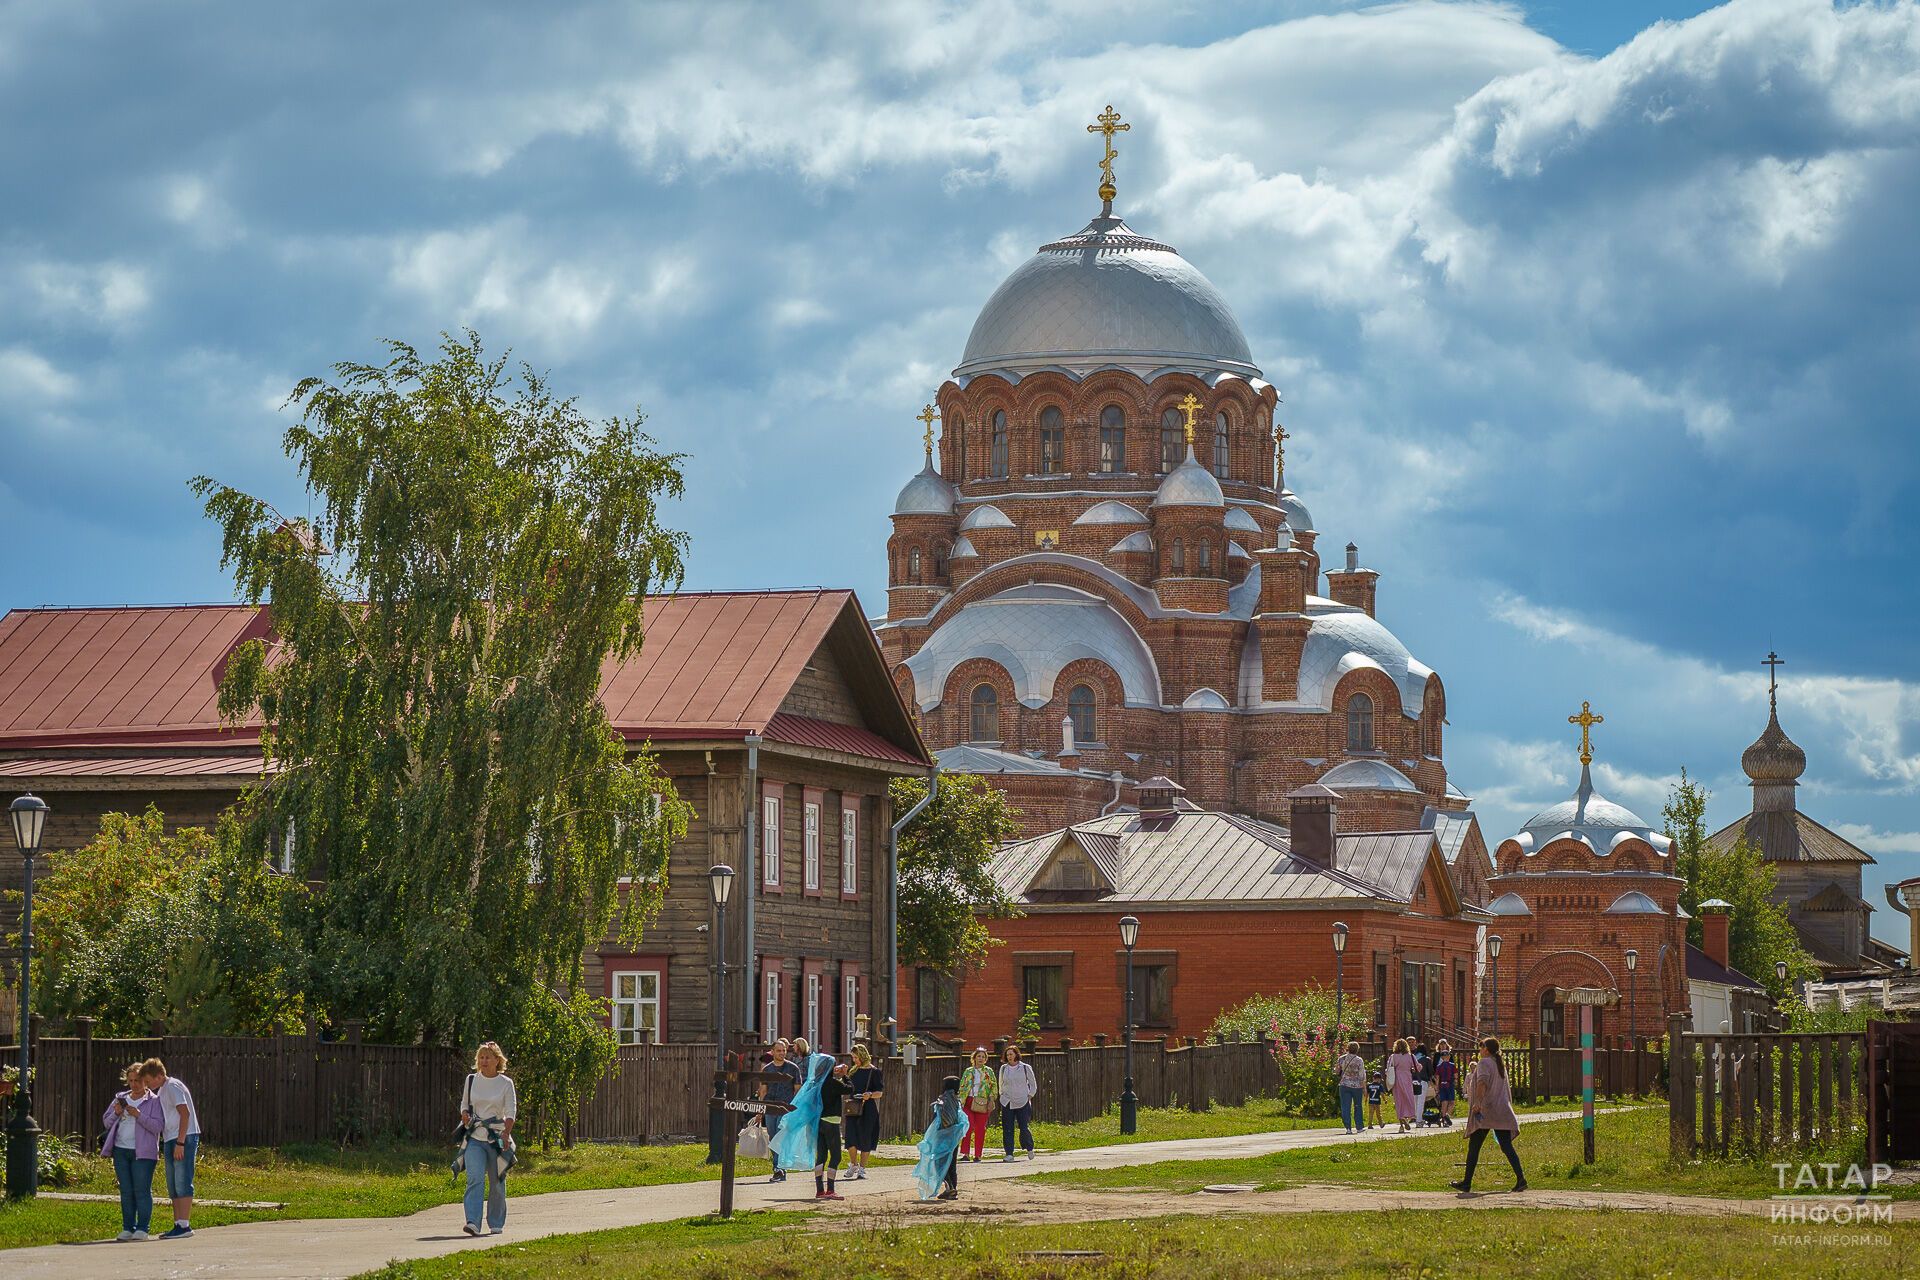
[1189,406]
[927,417]
[1108,124]
[1773,662]
[1279,454]
[1586,720]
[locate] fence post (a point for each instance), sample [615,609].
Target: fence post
[1679,1112]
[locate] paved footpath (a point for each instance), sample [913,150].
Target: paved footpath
[334,1248]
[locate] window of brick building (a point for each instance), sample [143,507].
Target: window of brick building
[986,714]
[1173,435]
[1179,555]
[1206,557]
[1220,446]
[1113,439]
[1000,444]
[913,565]
[957,428]
[936,998]
[1153,994]
[940,553]
[1046,986]
[1080,711]
[1053,442]
[1380,993]
[1359,723]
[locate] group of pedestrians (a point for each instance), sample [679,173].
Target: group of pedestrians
[152,1122]
[1418,1079]
[835,1112]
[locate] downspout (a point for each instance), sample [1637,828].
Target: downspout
[893,903]
[750,861]
[1110,805]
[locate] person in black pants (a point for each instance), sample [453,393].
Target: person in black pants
[1490,1109]
[863,1112]
[834,1091]
[781,1090]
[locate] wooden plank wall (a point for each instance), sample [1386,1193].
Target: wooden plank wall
[1741,1094]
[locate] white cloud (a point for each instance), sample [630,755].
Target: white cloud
[105,293]
[1873,840]
[28,376]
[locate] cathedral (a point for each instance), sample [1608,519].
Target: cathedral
[1100,576]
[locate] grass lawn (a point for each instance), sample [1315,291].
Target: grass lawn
[321,1181]
[1630,1152]
[1441,1243]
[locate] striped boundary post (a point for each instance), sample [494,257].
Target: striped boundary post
[1586,1081]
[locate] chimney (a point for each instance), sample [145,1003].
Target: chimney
[1311,829]
[1715,915]
[1353,585]
[1157,794]
[1066,738]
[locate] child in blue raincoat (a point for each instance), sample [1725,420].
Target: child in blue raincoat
[938,1171]
[794,1146]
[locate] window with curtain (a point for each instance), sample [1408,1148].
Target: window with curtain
[636,1006]
[1220,446]
[1173,439]
[1000,444]
[1053,442]
[1080,711]
[1359,723]
[1113,439]
[986,714]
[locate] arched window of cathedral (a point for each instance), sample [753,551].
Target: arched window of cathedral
[1053,442]
[999,444]
[1173,434]
[1220,445]
[1359,723]
[986,714]
[1179,555]
[1080,711]
[940,552]
[957,428]
[1206,558]
[1113,439]
[913,565]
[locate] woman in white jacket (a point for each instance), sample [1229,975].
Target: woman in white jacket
[1017,1087]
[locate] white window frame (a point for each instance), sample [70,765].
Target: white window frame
[849,850]
[810,846]
[770,841]
[812,1012]
[850,1007]
[639,1002]
[289,845]
[770,993]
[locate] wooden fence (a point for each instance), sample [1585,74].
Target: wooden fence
[271,1090]
[1728,1094]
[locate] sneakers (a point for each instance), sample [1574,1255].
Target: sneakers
[123,1237]
[831,1194]
[1031,1156]
[779,1175]
[1461,1187]
[1010,1157]
[948,1195]
[496,1231]
[176,1232]
[139,1236]
[470,1228]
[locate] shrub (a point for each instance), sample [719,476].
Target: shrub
[59,1157]
[1308,1039]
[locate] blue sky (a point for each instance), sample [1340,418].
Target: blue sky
[1597,332]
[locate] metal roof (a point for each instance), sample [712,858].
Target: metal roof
[1788,835]
[1033,632]
[1702,967]
[1190,855]
[713,665]
[1366,775]
[1450,828]
[239,767]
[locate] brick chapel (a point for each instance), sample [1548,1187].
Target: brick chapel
[1100,575]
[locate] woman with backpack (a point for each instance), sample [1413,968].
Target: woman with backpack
[488,1108]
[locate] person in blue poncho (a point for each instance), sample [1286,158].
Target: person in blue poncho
[938,1171]
[799,1136]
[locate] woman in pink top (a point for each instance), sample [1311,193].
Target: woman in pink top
[1490,1108]
[1401,1067]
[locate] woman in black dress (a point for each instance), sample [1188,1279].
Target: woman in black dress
[863,1112]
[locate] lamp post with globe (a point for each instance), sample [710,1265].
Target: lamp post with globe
[1493,957]
[29,814]
[1129,1104]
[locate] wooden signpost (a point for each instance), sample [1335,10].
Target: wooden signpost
[732,1110]
[1587,999]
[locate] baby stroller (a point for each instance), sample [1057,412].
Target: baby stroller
[1430,1113]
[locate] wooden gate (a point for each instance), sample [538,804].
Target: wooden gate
[1893,1091]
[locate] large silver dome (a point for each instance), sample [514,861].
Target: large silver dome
[1106,298]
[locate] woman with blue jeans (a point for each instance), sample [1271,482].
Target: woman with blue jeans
[487,1110]
[133,1123]
[1352,1071]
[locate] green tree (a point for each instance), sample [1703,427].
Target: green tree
[481,551]
[1758,931]
[190,927]
[945,890]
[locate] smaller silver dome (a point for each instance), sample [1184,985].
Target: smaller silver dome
[927,494]
[1509,904]
[1190,485]
[1298,517]
[1366,775]
[986,516]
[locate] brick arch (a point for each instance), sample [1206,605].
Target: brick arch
[1377,685]
[1565,855]
[956,698]
[1113,386]
[1433,717]
[1509,856]
[1561,969]
[1109,695]
[1635,855]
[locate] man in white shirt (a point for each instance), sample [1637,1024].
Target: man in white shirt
[1017,1087]
[179,1142]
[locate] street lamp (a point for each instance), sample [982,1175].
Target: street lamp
[1339,976]
[1633,1019]
[1493,955]
[29,814]
[720,879]
[1129,1104]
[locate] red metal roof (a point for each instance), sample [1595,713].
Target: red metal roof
[236,766]
[713,665]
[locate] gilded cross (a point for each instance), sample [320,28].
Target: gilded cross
[1108,124]
[1189,406]
[1773,663]
[1279,453]
[927,417]
[1586,720]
